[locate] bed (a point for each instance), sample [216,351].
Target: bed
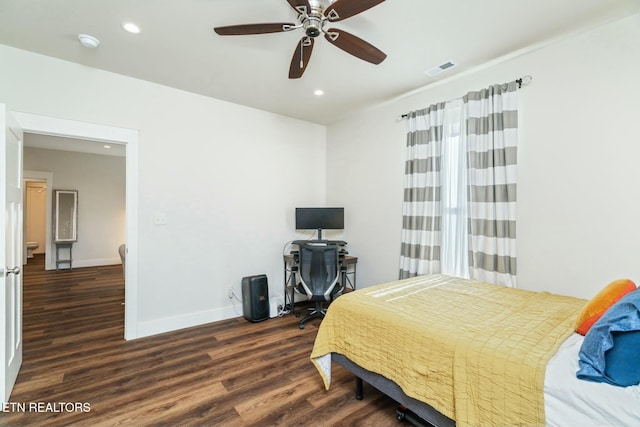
[461,352]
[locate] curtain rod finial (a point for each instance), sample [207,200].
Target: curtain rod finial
[523,81]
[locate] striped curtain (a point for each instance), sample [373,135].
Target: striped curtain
[492,136]
[421,219]
[490,118]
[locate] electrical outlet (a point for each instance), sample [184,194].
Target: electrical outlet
[160,218]
[230,293]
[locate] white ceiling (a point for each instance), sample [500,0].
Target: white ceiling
[70,144]
[177,46]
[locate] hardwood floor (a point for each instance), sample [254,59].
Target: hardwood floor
[227,373]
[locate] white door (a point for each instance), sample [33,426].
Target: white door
[10,253]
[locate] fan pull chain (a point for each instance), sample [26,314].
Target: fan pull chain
[301,54]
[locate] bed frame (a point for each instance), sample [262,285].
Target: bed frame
[423,411]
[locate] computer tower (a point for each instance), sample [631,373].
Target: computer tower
[255,298]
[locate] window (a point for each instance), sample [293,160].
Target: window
[454,256]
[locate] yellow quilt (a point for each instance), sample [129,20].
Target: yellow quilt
[474,351]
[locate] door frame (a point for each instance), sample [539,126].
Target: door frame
[45,125]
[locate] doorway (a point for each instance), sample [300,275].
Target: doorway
[42,180]
[96,172]
[35,222]
[44,125]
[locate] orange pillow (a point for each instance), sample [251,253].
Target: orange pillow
[597,306]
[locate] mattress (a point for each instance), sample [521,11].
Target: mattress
[474,351]
[569,401]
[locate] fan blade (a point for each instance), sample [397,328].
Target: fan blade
[343,9]
[354,45]
[301,57]
[240,30]
[300,3]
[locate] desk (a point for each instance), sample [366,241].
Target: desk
[347,268]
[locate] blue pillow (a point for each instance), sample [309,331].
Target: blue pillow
[622,361]
[610,352]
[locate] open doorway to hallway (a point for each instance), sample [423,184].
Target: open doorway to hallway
[97,171]
[73,129]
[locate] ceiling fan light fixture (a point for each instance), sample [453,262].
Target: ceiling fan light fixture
[312,26]
[88,41]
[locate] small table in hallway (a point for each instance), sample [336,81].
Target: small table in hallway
[63,246]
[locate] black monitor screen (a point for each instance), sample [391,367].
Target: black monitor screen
[319,218]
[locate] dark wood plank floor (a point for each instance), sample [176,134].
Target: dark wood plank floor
[79,370]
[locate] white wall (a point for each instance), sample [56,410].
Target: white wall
[226,177]
[100,182]
[578,204]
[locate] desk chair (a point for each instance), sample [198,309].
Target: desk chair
[318,268]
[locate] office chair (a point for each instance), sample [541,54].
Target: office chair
[318,269]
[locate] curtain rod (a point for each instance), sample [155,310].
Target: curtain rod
[522,81]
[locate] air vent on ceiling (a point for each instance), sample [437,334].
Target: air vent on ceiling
[440,68]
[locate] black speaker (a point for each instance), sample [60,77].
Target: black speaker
[255,298]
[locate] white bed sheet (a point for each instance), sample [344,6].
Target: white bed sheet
[569,401]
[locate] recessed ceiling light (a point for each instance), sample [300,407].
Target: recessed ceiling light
[131,27]
[318,92]
[88,41]
[106,146]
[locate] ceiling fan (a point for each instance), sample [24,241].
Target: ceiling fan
[312,18]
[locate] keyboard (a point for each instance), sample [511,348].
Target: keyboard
[321,242]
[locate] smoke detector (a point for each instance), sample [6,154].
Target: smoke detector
[88,41]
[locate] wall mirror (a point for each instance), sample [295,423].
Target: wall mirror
[65,215]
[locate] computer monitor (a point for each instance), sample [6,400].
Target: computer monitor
[319,219]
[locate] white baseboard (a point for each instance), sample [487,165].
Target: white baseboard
[87,263]
[96,262]
[169,324]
